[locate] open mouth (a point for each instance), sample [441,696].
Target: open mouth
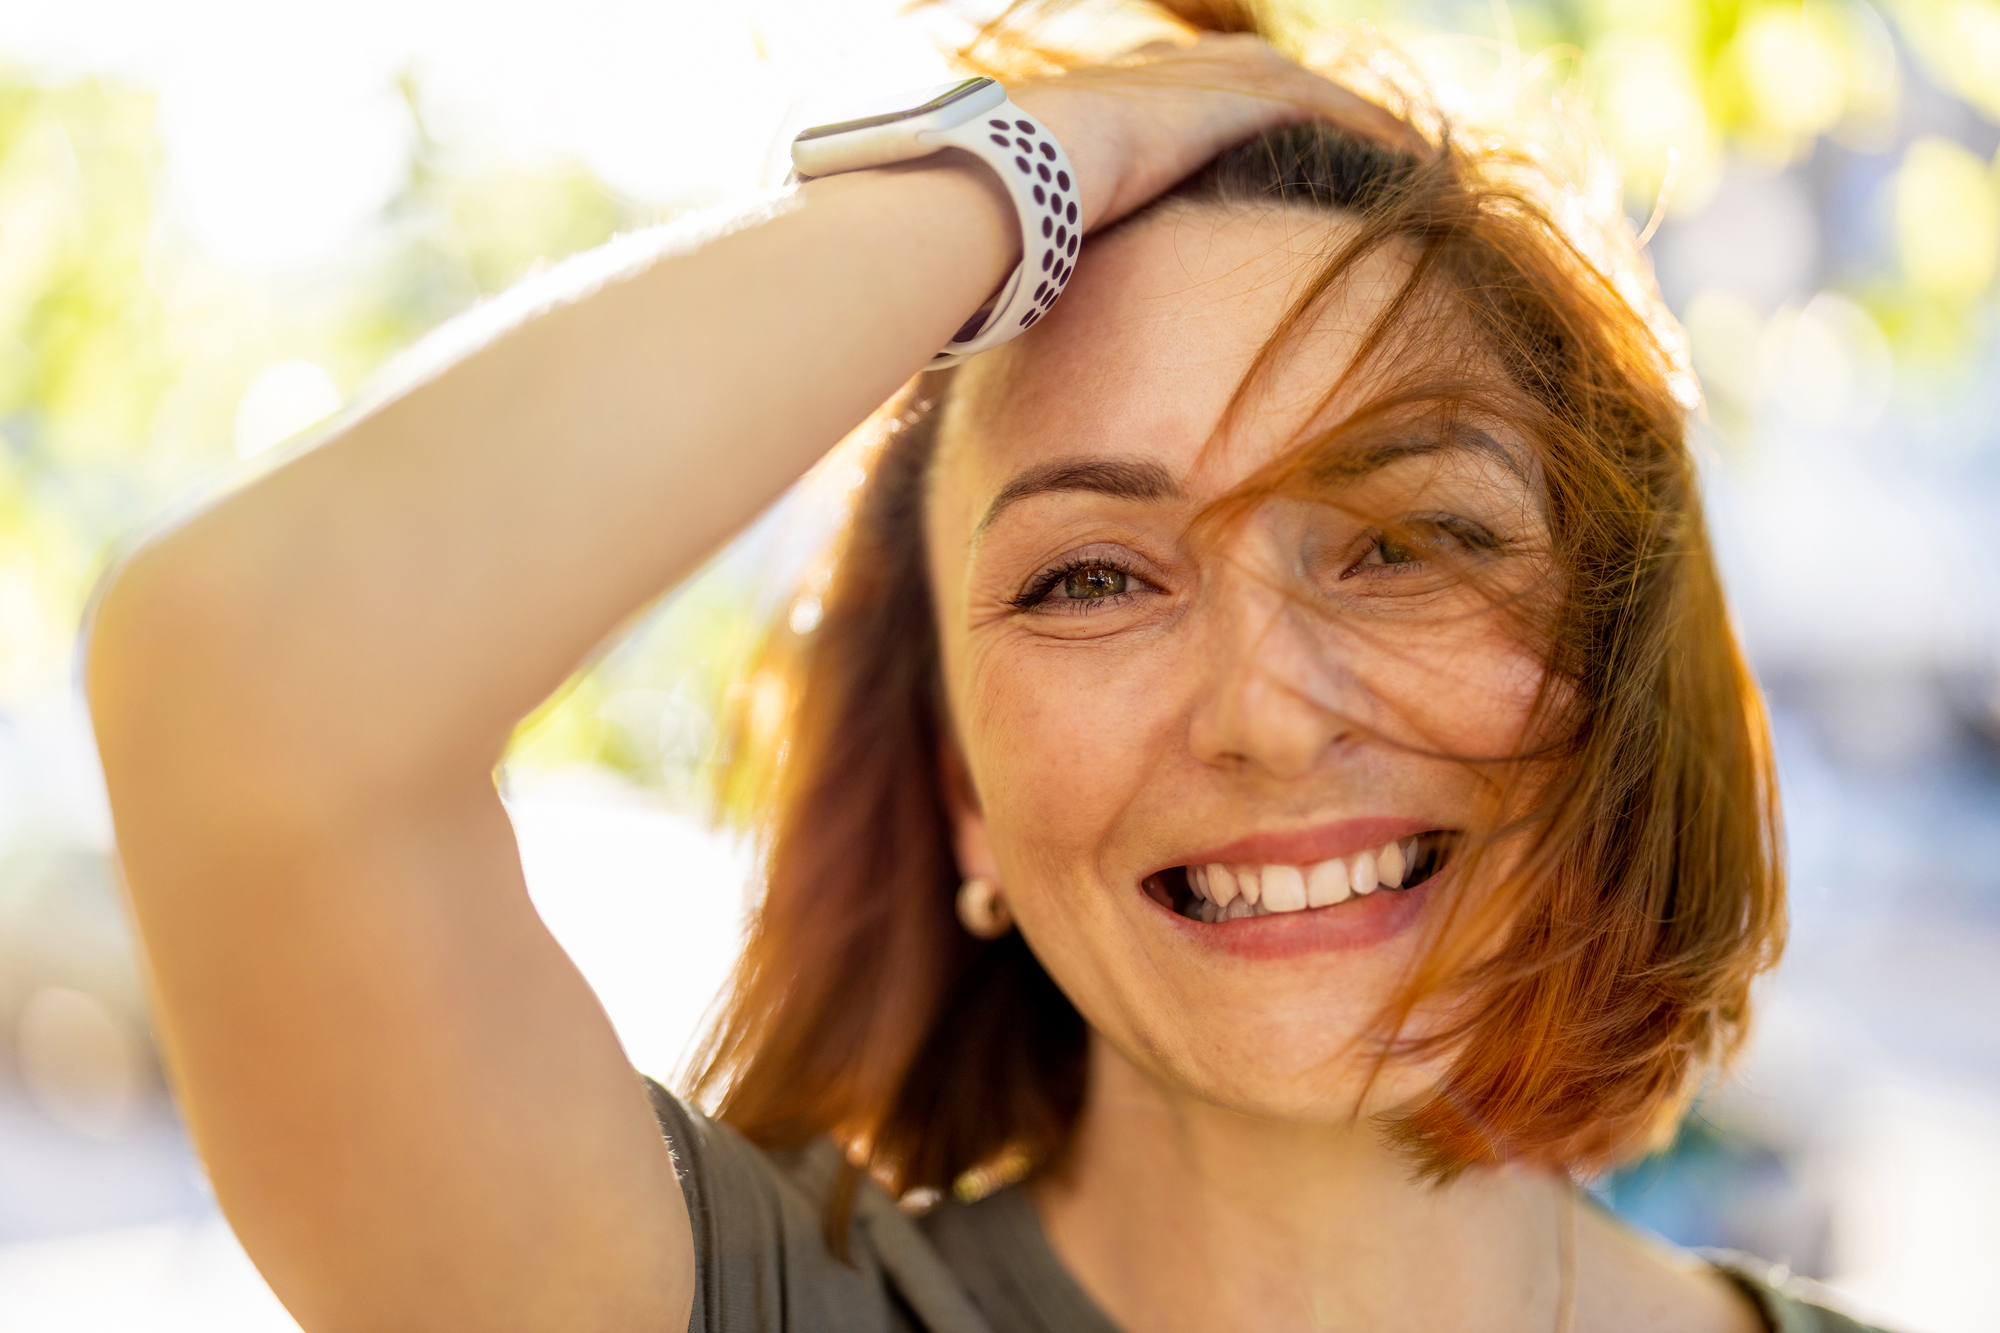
[1217,893]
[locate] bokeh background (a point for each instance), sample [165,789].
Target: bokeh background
[219,217]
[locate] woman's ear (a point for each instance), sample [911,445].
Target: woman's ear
[968,820]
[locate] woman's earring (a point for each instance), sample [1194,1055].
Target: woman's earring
[982,908]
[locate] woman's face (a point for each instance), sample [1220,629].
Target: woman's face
[1156,723]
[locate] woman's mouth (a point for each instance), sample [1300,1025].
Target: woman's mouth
[1217,893]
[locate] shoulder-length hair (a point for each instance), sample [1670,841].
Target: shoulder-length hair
[1652,895]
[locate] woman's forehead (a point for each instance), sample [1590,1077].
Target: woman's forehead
[1150,342]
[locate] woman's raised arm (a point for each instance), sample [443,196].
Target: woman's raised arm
[412,1107]
[410,1103]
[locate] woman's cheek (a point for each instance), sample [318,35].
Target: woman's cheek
[1058,745]
[1466,693]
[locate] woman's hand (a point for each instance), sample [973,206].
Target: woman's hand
[1135,128]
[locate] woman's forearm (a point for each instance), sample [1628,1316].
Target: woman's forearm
[396,598]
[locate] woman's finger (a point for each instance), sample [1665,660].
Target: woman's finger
[1351,111]
[1329,99]
[1264,71]
[1159,46]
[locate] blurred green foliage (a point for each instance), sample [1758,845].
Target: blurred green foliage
[125,352]
[86,362]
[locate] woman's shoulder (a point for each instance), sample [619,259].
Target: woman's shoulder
[1790,1303]
[762,1262]
[763,1265]
[1633,1279]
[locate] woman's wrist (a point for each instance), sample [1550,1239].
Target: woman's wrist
[951,188]
[1085,128]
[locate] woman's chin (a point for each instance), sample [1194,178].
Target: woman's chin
[1280,1074]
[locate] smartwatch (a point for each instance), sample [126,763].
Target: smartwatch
[973,115]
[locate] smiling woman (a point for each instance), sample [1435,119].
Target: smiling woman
[1271,797]
[1408,619]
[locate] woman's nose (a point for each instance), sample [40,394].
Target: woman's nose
[1276,694]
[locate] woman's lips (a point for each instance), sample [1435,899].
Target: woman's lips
[1343,891]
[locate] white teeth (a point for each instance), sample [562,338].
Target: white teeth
[1230,893]
[1248,883]
[1390,866]
[1284,889]
[1221,885]
[1326,884]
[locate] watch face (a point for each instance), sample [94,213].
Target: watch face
[907,107]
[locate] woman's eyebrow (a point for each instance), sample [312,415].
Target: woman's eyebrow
[1353,464]
[1124,478]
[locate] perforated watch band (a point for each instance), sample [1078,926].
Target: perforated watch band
[1036,173]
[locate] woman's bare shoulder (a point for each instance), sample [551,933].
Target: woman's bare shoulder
[1635,1283]
[1627,1282]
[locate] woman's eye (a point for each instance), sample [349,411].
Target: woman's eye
[1396,553]
[1422,541]
[1096,581]
[1081,586]
[1388,551]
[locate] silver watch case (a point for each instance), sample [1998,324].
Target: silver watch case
[899,134]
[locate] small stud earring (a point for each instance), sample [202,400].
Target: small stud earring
[982,908]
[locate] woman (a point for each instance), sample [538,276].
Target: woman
[1272,794]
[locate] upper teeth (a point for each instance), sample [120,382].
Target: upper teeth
[1228,892]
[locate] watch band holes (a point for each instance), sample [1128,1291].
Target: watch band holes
[1037,158]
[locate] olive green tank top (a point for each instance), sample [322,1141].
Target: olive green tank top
[762,1264]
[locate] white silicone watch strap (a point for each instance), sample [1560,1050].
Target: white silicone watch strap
[1037,175]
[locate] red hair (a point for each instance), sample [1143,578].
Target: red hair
[1651,892]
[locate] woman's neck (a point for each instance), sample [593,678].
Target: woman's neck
[1175,1214]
